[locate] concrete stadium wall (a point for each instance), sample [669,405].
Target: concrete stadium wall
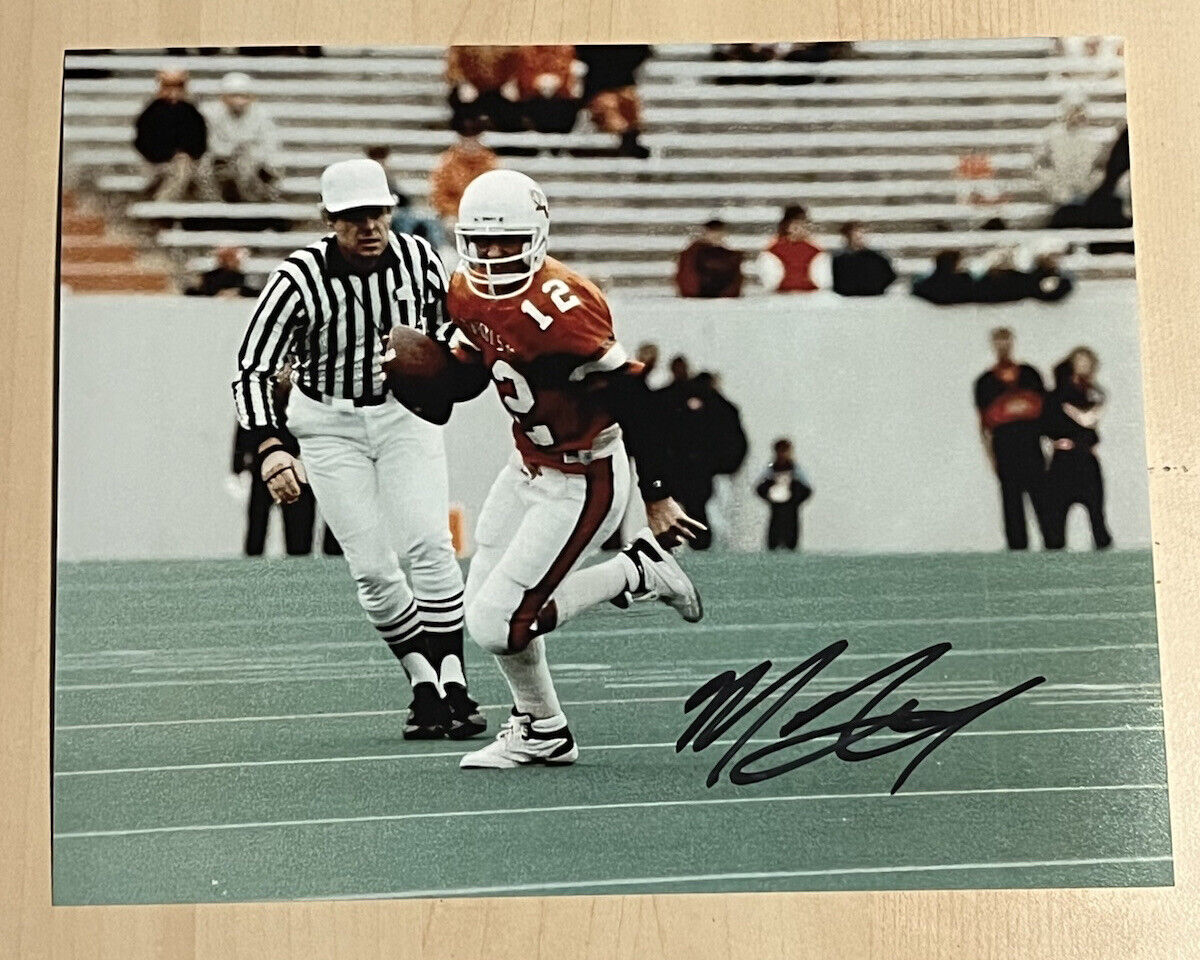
[876,394]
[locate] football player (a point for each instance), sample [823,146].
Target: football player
[545,335]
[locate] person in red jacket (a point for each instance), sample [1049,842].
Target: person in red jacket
[1010,398]
[707,267]
[793,262]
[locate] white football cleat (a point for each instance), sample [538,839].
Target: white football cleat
[660,577]
[523,741]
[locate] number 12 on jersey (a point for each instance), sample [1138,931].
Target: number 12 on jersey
[560,296]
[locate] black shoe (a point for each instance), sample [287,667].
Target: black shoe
[465,719]
[427,716]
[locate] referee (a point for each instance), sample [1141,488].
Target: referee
[378,471]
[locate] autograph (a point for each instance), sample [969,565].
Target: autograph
[719,702]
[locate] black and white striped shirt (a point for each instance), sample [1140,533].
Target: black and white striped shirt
[333,323]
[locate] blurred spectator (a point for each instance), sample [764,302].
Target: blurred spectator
[1010,398]
[457,167]
[859,271]
[1099,47]
[380,153]
[785,489]
[171,135]
[226,279]
[1047,280]
[764,52]
[483,88]
[707,267]
[1116,167]
[647,355]
[948,284]
[405,219]
[654,376]
[793,262]
[243,145]
[549,86]
[1066,163]
[610,91]
[1110,204]
[650,401]
[821,52]
[681,373]
[707,439]
[1000,280]
[1072,412]
[747,52]
[1007,275]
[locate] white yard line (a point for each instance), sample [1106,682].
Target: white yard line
[383,667]
[832,622]
[317,716]
[369,758]
[1028,697]
[587,807]
[750,875]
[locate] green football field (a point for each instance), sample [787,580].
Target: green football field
[230,730]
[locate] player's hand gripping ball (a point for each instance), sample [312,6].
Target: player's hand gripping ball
[427,377]
[411,355]
[415,371]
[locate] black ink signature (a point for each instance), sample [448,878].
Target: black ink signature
[722,695]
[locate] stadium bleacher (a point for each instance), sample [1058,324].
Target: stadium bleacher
[880,145]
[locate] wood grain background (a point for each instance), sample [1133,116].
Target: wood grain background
[1163,73]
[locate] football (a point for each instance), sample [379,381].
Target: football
[414,356]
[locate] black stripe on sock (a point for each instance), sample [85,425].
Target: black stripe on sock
[402,648]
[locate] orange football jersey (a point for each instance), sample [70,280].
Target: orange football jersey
[539,346]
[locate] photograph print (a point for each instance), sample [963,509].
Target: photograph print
[601,469]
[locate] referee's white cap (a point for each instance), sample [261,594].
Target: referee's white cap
[355,183]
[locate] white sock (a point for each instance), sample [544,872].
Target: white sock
[592,585]
[452,671]
[528,677]
[419,669]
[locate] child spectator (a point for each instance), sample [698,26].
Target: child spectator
[785,489]
[707,267]
[859,271]
[793,262]
[226,279]
[243,145]
[171,135]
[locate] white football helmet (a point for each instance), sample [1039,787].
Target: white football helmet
[501,204]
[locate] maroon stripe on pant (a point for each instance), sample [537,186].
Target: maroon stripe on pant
[597,501]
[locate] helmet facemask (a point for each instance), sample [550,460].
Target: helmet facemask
[496,278]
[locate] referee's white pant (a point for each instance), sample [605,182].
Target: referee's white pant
[379,476]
